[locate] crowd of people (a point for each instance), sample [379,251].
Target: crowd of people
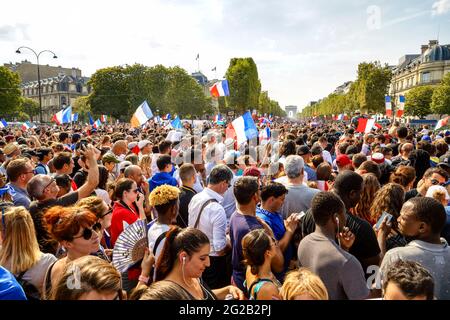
[318,211]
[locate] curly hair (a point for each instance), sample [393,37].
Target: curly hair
[370,187]
[389,198]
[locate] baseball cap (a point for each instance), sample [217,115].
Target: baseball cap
[378,158]
[444,163]
[426,138]
[343,160]
[109,157]
[302,150]
[252,172]
[124,164]
[229,142]
[131,145]
[431,190]
[143,143]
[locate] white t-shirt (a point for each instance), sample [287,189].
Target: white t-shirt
[103,194]
[153,233]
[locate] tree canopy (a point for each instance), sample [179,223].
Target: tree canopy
[10,93]
[418,101]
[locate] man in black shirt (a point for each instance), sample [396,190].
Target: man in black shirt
[188,177]
[433,176]
[348,187]
[44,189]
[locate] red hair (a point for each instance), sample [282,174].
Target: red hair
[63,223]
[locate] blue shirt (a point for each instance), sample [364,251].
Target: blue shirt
[10,289]
[312,175]
[160,179]
[20,197]
[276,223]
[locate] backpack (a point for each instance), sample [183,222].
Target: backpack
[31,291]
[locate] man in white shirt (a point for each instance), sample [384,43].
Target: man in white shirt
[208,215]
[323,142]
[145,148]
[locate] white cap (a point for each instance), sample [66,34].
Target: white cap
[124,164]
[229,142]
[433,189]
[131,145]
[143,143]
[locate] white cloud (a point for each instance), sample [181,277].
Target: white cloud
[441,7]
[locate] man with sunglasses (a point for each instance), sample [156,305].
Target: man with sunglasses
[20,172]
[433,176]
[44,189]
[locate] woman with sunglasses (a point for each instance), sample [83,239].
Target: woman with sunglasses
[97,280]
[258,250]
[104,214]
[128,208]
[76,229]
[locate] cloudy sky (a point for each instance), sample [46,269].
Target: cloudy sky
[303,49]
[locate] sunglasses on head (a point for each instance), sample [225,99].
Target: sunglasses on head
[87,232]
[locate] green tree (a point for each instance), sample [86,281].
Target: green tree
[158,82]
[371,86]
[82,107]
[244,84]
[441,97]
[110,93]
[184,95]
[30,107]
[418,101]
[10,93]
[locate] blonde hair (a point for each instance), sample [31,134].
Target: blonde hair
[94,204]
[20,249]
[163,195]
[303,281]
[92,273]
[146,161]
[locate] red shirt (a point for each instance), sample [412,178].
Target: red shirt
[120,215]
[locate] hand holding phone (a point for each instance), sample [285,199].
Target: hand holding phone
[383,216]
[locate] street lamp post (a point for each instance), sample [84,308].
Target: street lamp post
[38,74]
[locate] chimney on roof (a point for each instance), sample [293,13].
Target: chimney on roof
[424,48]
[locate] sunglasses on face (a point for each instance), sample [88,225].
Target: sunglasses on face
[110,210]
[88,232]
[435,182]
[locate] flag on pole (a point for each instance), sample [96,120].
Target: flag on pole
[91,121]
[3,123]
[167,117]
[75,117]
[401,106]
[63,116]
[176,123]
[220,89]
[442,123]
[198,56]
[103,118]
[141,115]
[388,106]
[214,69]
[245,128]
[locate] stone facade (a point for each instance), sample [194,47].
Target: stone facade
[28,71]
[426,68]
[291,111]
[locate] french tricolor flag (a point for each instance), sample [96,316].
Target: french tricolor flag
[63,116]
[3,123]
[245,128]
[220,89]
[366,125]
[97,124]
[340,117]
[167,117]
[401,106]
[103,118]
[264,136]
[388,106]
[26,126]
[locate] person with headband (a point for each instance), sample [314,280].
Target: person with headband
[182,261]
